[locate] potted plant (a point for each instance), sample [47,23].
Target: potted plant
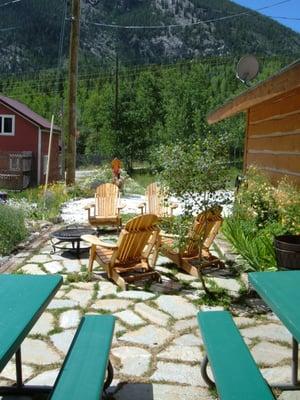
[287,249]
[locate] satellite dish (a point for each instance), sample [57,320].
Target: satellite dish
[247,69]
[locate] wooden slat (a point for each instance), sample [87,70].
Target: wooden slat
[282,162]
[285,104]
[285,124]
[276,143]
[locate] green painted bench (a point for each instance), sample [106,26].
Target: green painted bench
[83,373]
[236,374]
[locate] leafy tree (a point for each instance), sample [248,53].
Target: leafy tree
[196,173]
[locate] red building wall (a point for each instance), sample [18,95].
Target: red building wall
[25,138]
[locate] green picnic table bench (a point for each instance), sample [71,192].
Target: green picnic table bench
[236,374]
[83,373]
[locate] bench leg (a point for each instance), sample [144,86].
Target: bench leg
[204,374]
[109,377]
[19,378]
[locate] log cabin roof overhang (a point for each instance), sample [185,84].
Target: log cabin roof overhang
[285,80]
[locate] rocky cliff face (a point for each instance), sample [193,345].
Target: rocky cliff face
[33,43]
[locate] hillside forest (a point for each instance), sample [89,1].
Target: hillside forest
[129,112]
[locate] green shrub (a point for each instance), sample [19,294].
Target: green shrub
[12,228]
[261,212]
[256,247]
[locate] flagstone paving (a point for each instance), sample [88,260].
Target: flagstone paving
[157,347]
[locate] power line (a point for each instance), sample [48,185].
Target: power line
[189,24]
[8,3]
[11,28]
[288,18]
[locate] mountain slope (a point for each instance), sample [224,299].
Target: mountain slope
[34,42]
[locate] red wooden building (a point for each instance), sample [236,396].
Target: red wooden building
[24,139]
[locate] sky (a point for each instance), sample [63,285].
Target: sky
[290,9]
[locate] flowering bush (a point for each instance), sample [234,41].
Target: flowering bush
[261,212]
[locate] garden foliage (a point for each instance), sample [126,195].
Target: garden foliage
[261,212]
[195,173]
[12,228]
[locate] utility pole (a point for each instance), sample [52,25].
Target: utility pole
[72,94]
[117,92]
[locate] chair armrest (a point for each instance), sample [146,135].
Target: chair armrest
[89,206]
[173,205]
[121,206]
[97,242]
[142,207]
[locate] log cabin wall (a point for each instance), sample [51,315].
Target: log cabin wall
[273,136]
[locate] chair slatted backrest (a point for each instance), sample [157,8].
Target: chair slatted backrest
[135,236]
[156,200]
[106,199]
[205,229]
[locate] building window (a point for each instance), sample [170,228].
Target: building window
[7,125]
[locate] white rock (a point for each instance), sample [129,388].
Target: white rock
[40,259]
[135,361]
[53,267]
[185,324]
[80,296]
[63,340]
[176,306]
[111,305]
[268,332]
[32,269]
[149,335]
[35,351]
[270,354]
[106,289]
[151,314]
[181,353]
[43,325]
[177,373]
[130,318]
[135,294]
[45,378]
[9,372]
[277,374]
[188,340]
[72,266]
[60,303]
[69,319]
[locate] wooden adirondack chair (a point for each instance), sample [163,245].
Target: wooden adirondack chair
[205,228]
[106,210]
[134,255]
[156,202]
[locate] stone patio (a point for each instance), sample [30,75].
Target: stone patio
[157,347]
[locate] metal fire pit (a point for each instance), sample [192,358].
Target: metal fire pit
[71,235]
